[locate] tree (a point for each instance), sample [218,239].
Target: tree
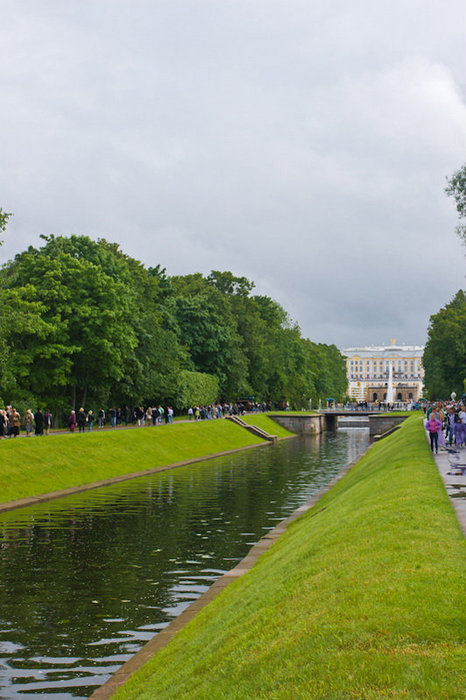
[196,388]
[203,319]
[4,216]
[23,338]
[227,283]
[102,338]
[89,316]
[444,357]
[81,322]
[457,188]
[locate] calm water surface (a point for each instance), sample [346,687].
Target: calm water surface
[85,581]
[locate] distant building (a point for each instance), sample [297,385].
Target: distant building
[370,377]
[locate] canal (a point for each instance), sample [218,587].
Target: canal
[86,580]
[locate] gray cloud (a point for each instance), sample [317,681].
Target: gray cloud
[304,145]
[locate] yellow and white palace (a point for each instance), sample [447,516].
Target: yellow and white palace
[385,372]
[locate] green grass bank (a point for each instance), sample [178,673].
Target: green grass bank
[362,597]
[35,466]
[262,420]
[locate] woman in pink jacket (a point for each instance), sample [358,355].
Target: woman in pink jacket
[433,426]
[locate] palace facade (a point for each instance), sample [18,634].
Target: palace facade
[385,372]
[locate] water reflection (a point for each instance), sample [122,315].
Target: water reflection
[87,580]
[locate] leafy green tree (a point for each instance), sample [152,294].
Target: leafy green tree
[4,217]
[23,339]
[205,325]
[227,283]
[444,357]
[89,317]
[105,342]
[196,388]
[152,369]
[331,379]
[457,189]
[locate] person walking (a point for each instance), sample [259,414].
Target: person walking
[72,421]
[433,426]
[450,424]
[113,417]
[140,415]
[15,422]
[39,421]
[3,424]
[81,420]
[29,422]
[460,427]
[90,420]
[47,421]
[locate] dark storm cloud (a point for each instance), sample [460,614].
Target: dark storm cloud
[304,145]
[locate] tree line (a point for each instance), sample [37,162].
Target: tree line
[82,323]
[445,351]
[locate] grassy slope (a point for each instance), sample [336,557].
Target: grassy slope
[33,466]
[363,597]
[261,420]
[292,413]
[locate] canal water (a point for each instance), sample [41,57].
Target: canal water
[85,581]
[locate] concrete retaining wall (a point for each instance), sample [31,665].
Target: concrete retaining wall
[378,425]
[312,425]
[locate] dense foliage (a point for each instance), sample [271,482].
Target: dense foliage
[4,216]
[445,351]
[457,189]
[83,323]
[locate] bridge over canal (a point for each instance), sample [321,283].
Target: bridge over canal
[378,422]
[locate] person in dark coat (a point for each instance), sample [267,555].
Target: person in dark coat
[140,415]
[81,420]
[39,421]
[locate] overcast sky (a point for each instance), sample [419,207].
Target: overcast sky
[304,144]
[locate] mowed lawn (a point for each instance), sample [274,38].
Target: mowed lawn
[362,597]
[262,420]
[34,466]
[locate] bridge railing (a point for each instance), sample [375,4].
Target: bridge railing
[380,408]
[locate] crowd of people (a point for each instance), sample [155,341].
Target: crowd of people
[114,417]
[154,415]
[38,423]
[81,420]
[446,424]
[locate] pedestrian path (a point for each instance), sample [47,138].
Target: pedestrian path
[455,485]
